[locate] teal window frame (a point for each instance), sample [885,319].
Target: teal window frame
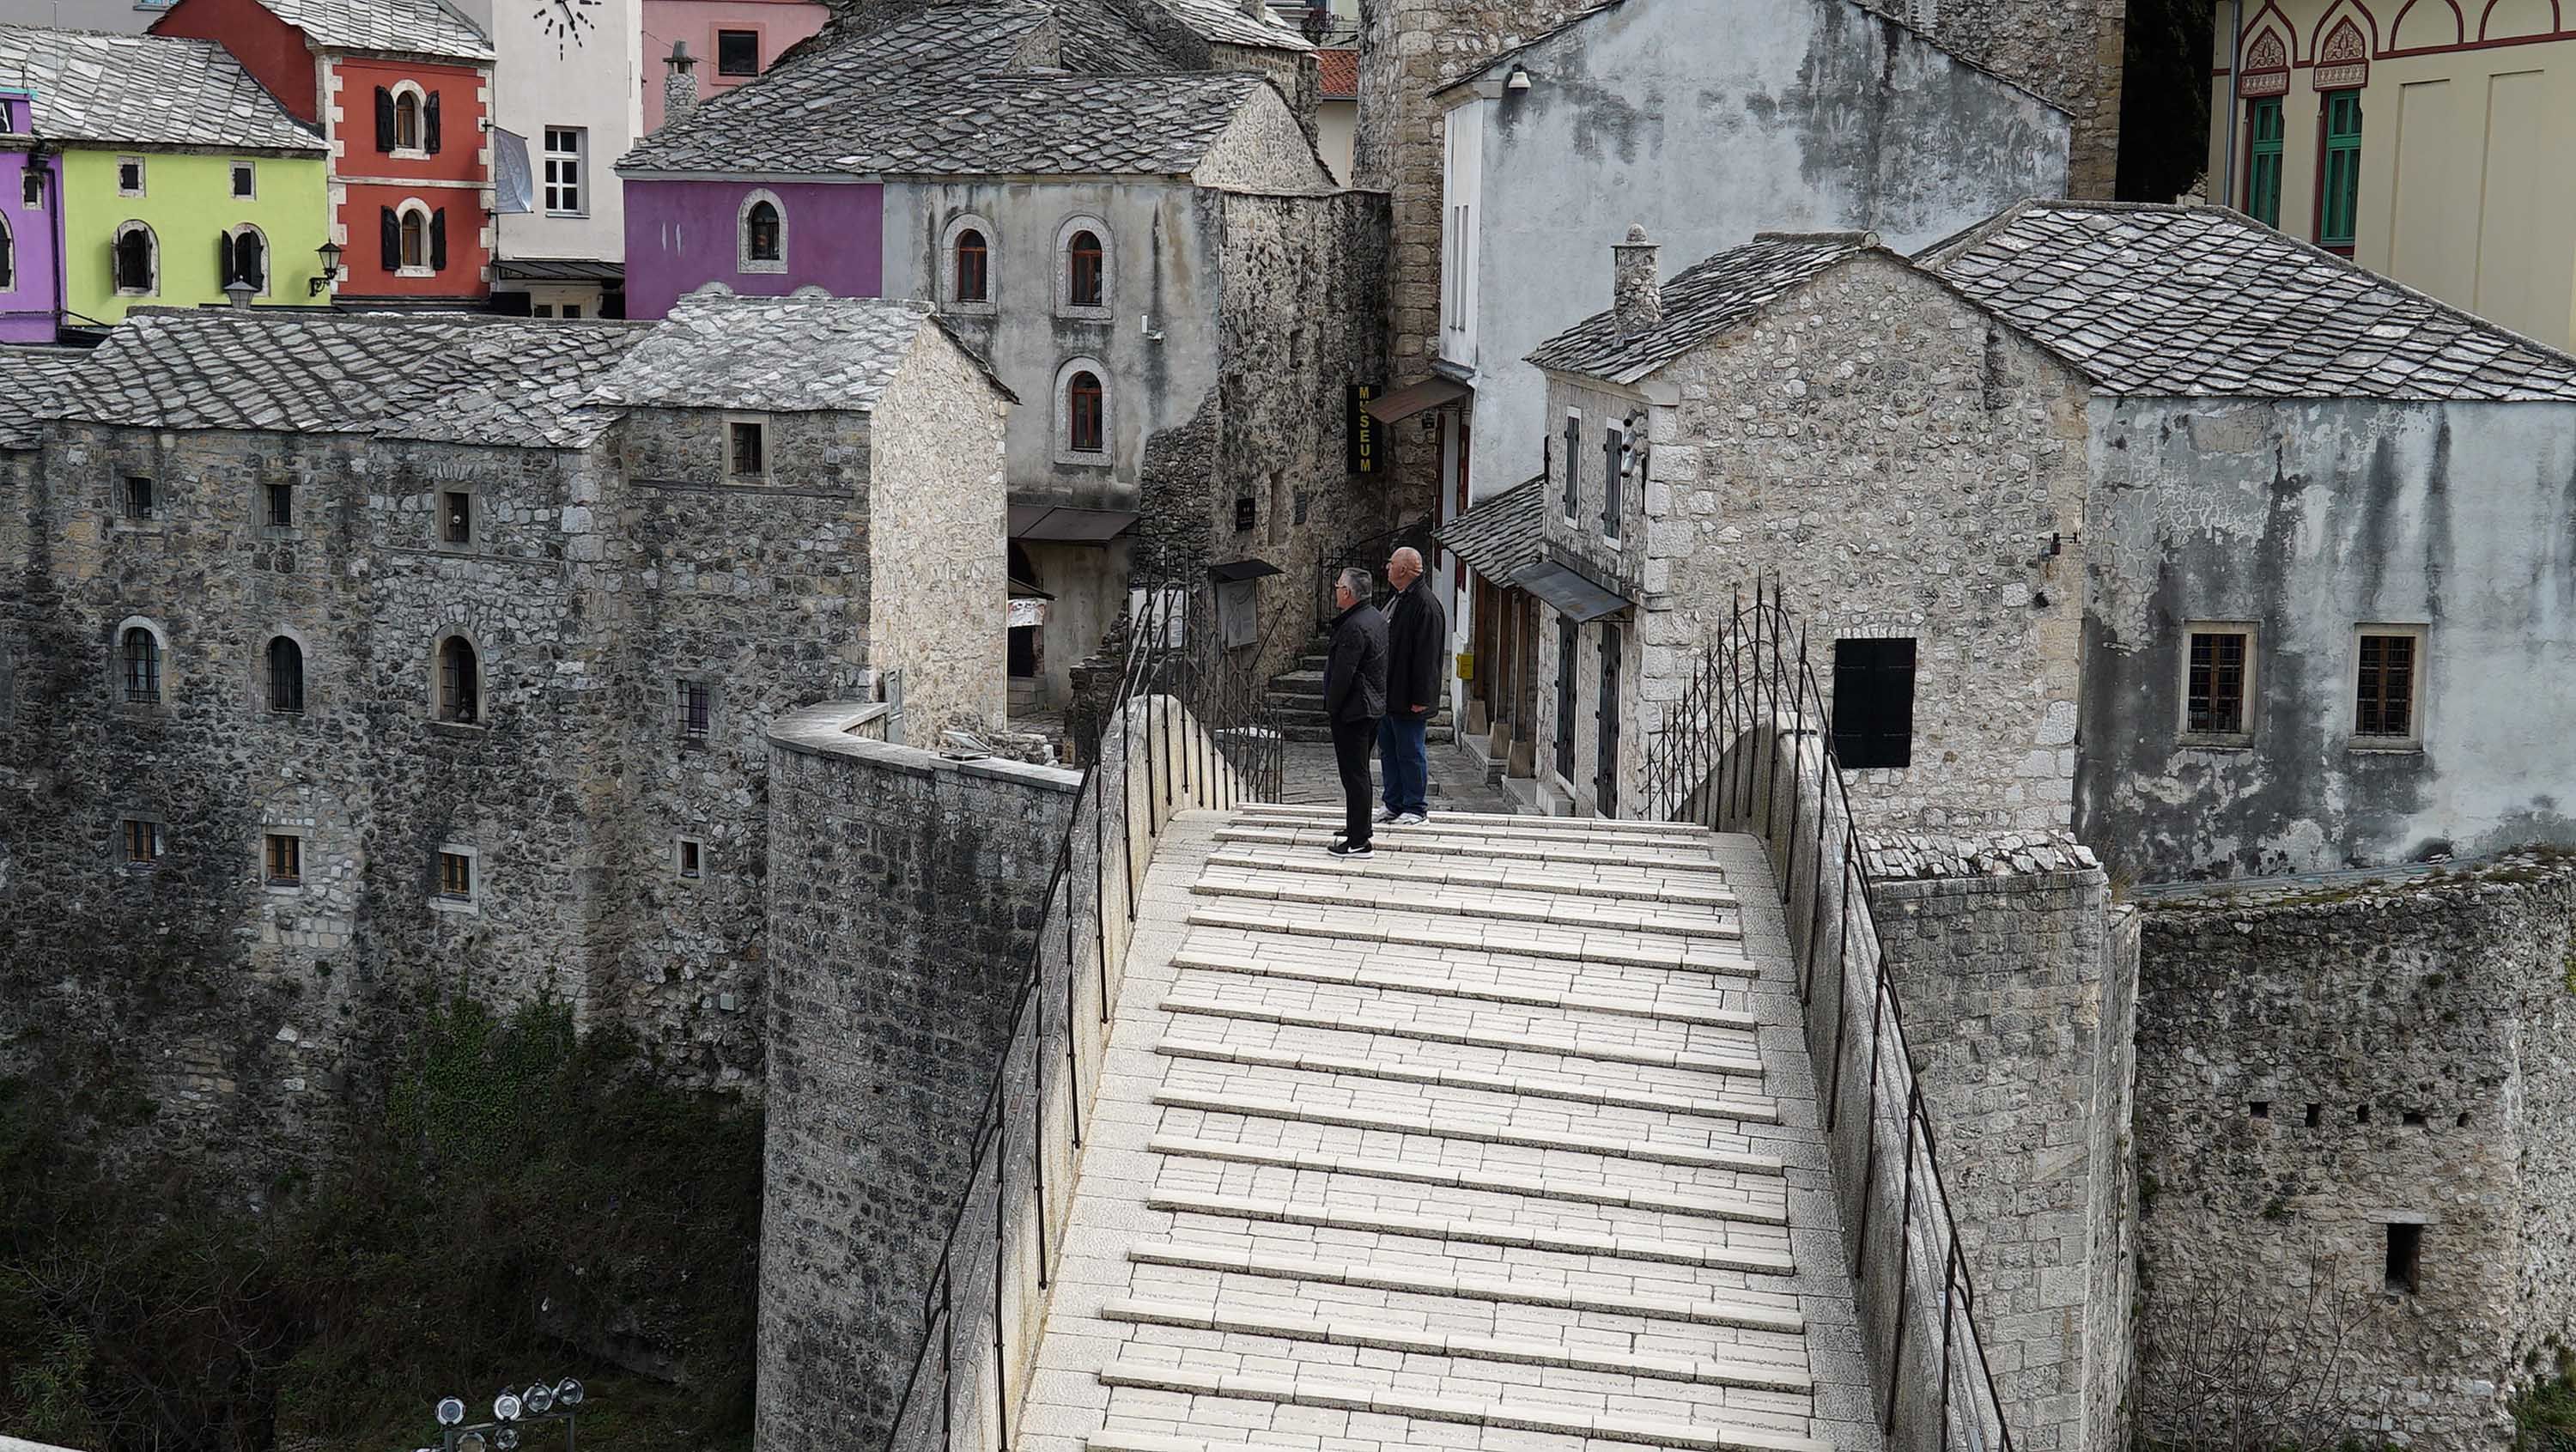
[2263,159]
[2339,167]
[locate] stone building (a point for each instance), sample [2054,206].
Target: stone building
[1160,265]
[2147,520]
[357,655]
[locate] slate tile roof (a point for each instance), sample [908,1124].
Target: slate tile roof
[795,354]
[1700,302]
[407,27]
[947,92]
[1502,535]
[2206,302]
[1220,23]
[30,380]
[450,377]
[135,90]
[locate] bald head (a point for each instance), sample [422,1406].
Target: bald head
[1404,567]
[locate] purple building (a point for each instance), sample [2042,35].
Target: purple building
[31,198]
[764,238]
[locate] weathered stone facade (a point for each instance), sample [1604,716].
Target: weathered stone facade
[2320,1069]
[2072,53]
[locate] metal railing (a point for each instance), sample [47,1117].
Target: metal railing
[1370,554]
[1749,748]
[1186,728]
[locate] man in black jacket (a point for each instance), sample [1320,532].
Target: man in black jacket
[1354,698]
[1417,652]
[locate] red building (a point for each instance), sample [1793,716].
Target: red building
[402,90]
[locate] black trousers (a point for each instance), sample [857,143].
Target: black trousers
[1354,742]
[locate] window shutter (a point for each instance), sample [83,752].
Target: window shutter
[223,259]
[1873,711]
[384,121]
[438,240]
[429,125]
[393,240]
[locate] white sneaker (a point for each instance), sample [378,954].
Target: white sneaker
[1386,815]
[1411,819]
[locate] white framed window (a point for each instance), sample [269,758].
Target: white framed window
[747,447]
[415,241]
[456,879]
[245,181]
[136,259]
[8,256]
[2216,697]
[567,167]
[1083,422]
[969,265]
[410,128]
[2389,670]
[689,858]
[139,666]
[129,176]
[1082,269]
[760,233]
[31,190]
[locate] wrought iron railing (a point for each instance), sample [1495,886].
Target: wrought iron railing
[1187,727]
[1749,748]
[1370,554]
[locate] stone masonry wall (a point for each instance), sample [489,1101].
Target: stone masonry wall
[904,891]
[1905,467]
[2073,54]
[939,512]
[2318,1064]
[2018,980]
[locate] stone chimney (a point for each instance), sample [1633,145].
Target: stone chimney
[679,84]
[1636,298]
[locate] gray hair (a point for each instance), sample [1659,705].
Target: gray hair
[1356,580]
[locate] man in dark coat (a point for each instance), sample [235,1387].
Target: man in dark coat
[1354,698]
[1417,658]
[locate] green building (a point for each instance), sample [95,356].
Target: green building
[179,174]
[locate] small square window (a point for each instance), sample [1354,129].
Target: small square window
[2316,1115]
[31,189]
[245,180]
[142,842]
[692,858]
[456,517]
[572,311]
[2218,684]
[737,52]
[2388,686]
[2260,1108]
[136,500]
[129,176]
[285,860]
[455,876]
[2405,1259]
[696,709]
[281,505]
[748,452]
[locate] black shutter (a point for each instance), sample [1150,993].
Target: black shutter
[384,121]
[1565,642]
[429,125]
[1573,466]
[223,259]
[1605,771]
[250,259]
[438,240]
[1609,483]
[393,241]
[1874,702]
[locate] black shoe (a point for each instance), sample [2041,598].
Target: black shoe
[1350,849]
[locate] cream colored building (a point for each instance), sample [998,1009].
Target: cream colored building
[2426,139]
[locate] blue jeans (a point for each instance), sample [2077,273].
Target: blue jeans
[1404,760]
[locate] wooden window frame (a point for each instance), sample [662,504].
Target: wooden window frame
[2419,671]
[2329,146]
[281,865]
[140,843]
[2248,685]
[456,881]
[2257,150]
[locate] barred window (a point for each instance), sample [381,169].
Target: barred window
[696,709]
[142,655]
[285,856]
[136,500]
[456,876]
[285,676]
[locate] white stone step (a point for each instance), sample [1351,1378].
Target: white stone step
[1718,1103]
[1420,930]
[1772,1210]
[1489,904]
[1355,1330]
[1675,1004]
[1575,1294]
[1639,884]
[1632,1147]
[1559,1040]
[1339,1389]
[1436,846]
[1684,836]
[1323,1215]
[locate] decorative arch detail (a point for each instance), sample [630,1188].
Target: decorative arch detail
[969,251]
[2343,58]
[2330,25]
[2519,18]
[2419,26]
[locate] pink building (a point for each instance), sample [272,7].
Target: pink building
[733,40]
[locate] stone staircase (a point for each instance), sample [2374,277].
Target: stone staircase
[1297,694]
[1502,1139]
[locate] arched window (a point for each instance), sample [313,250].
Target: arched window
[285,676]
[414,226]
[137,259]
[973,280]
[407,133]
[141,659]
[8,256]
[244,257]
[1082,270]
[459,682]
[760,244]
[1084,413]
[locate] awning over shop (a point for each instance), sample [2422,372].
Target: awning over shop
[1569,594]
[1061,524]
[1413,398]
[1235,570]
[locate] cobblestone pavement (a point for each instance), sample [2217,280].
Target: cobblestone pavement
[1503,1140]
[1457,780]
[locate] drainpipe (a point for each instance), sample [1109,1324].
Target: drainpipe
[2235,73]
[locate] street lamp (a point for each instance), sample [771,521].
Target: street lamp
[512,1411]
[329,252]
